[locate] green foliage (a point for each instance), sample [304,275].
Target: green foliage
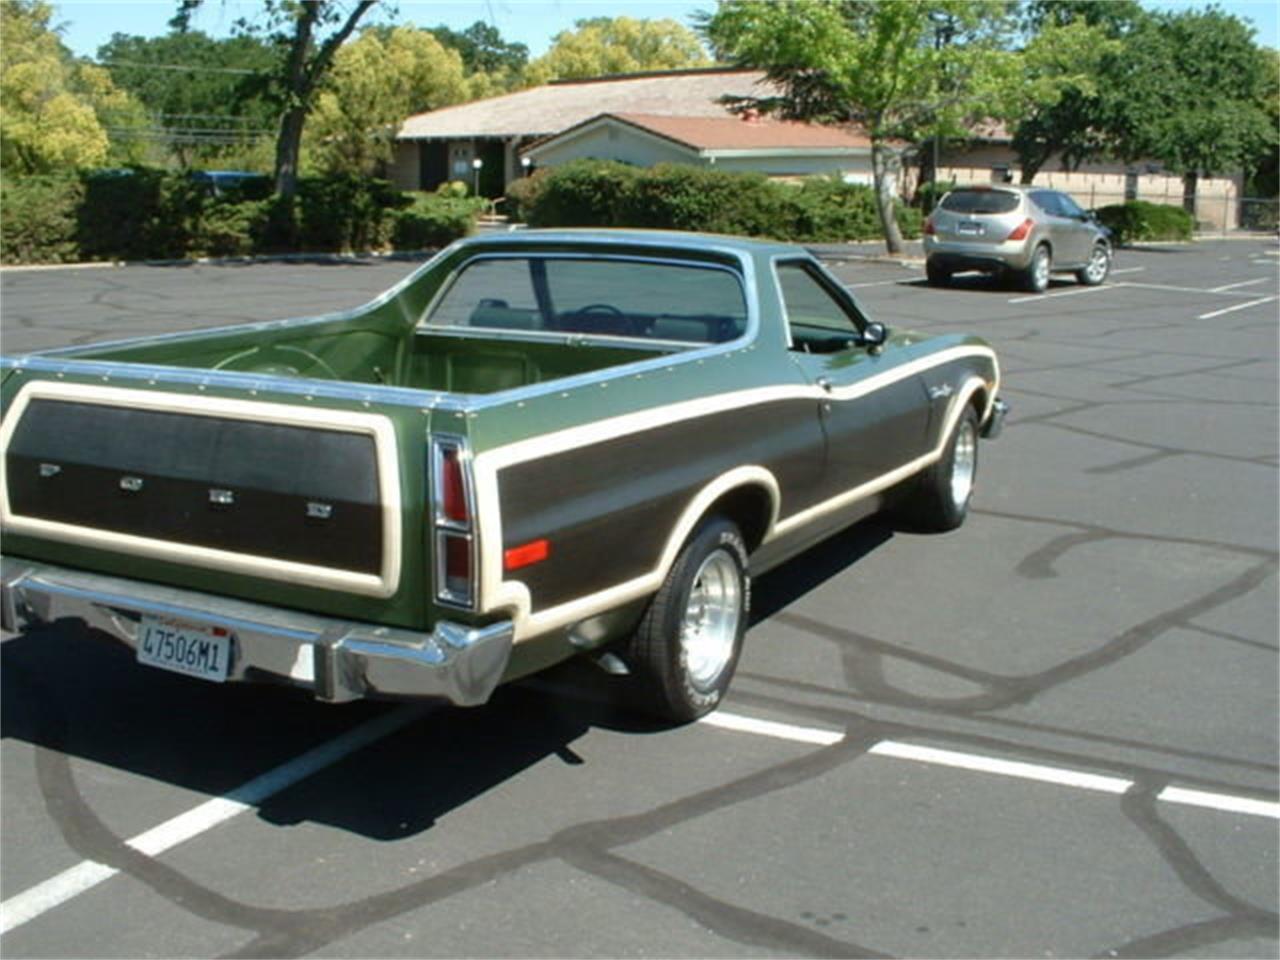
[226,98]
[376,81]
[148,214]
[54,113]
[38,219]
[605,193]
[582,193]
[483,50]
[602,45]
[433,220]
[1139,220]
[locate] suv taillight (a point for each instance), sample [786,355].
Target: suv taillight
[452,513]
[929,228]
[1021,230]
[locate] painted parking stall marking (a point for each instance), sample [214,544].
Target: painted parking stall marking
[1062,776]
[31,903]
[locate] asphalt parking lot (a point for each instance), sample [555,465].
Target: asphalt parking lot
[1052,732]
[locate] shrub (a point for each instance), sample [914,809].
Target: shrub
[38,219]
[1139,220]
[582,193]
[433,220]
[522,195]
[138,214]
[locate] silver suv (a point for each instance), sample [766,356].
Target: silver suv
[1029,232]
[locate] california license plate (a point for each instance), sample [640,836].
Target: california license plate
[203,652]
[969,228]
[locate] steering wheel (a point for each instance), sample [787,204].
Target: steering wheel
[607,308]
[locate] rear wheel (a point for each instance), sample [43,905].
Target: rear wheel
[1036,276]
[938,499]
[683,654]
[1099,265]
[938,277]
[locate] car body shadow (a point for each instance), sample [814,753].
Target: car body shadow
[77,693]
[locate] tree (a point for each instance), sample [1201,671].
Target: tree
[483,50]
[296,26]
[377,81]
[1191,92]
[600,46]
[878,67]
[54,113]
[208,98]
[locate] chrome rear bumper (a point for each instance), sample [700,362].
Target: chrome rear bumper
[338,660]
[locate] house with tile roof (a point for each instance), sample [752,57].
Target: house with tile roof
[673,116]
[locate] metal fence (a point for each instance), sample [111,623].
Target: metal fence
[1215,213]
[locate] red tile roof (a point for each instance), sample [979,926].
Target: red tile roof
[741,133]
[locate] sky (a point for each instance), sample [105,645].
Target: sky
[87,24]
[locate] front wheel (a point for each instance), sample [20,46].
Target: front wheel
[938,499]
[1099,265]
[683,653]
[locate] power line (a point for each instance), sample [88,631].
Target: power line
[133,64]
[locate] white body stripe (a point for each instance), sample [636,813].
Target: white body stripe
[513,597]
[377,426]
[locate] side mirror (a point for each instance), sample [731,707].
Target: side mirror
[874,336]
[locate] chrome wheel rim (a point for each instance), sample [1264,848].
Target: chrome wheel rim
[709,629]
[1040,269]
[1097,268]
[964,463]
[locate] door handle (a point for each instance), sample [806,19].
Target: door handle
[825,384]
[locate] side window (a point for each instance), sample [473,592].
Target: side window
[1069,207]
[813,314]
[1048,202]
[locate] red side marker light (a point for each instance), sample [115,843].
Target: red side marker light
[526,555]
[929,228]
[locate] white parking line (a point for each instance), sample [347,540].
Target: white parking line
[1042,773]
[31,903]
[1242,283]
[1065,293]
[1238,306]
[770,728]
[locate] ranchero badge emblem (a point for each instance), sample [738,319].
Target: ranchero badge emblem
[941,392]
[319,511]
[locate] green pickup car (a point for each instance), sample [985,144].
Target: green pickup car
[539,444]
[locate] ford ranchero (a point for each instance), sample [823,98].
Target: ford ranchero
[539,444]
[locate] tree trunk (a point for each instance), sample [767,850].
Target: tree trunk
[288,148]
[884,167]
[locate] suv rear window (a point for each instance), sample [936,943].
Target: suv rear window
[980,201]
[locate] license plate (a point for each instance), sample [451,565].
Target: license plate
[969,228]
[203,652]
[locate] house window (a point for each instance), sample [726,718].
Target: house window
[1000,173]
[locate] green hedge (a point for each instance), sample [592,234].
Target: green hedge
[1139,220]
[605,193]
[146,214]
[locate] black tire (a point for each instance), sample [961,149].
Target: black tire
[1098,268]
[1036,277]
[937,500]
[668,682]
[937,276]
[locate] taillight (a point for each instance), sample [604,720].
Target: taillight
[1021,230]
[929,228]
[456,564]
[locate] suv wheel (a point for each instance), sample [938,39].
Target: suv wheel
[1099,265]
[938,277]
[1036,277]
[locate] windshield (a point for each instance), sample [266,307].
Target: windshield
[980,201]
[605,296]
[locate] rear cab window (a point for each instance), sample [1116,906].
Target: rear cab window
[981,201]
[651,300]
